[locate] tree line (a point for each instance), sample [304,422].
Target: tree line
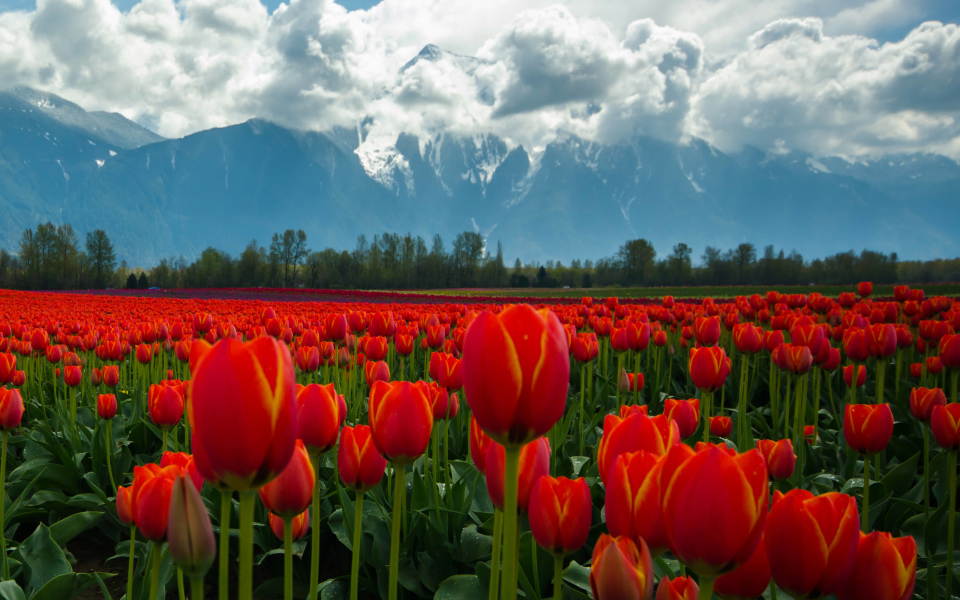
[52,257]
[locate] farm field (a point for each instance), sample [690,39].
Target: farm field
[609,443]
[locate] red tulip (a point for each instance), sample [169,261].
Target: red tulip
[748,338]
[165,405]
[479,444]
[721,426]
[8,366]
[11,409]
[865,288]
[950,351]
[290,493]
[882,340]
[885,568]
[708,368]
[713,536]
[534,463]
[144,353]
[799,358]
[867,428]
[106,406]
[655,435]
[299,526]
[861,375]
[516,372]
[934,365]
[747,581]
[923,400]
[678,588]
[376,371]
[243,412]
[152,490]
[855,344]
[811,542]
[308,358]
[401,420]
[707,330]
[403,344]
[186,463]
[72,376]
[560,514]
[321,412]
[632,501]
[125,505]
[621,570]
[685,413]
[945,425]
[358,462]
[779,457]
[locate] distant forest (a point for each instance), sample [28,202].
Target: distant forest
[51,257]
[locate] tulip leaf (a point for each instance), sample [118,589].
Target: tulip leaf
[70,527]
[68,585]
[901,477]
[43,559]
[460,587]
[474,545]
[9,590]
[577,575]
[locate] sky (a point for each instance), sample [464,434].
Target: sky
[852,78]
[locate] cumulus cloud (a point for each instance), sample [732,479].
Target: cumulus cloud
[733,71]
[836,95]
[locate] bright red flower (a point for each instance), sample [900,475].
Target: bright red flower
[867,428]
[360,465]
[621,569]
[534,463]
[401,419]
[560,514]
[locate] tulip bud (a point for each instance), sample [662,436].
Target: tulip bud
[720,426]
[885,568]
[560,512]
[106,406]
[678,588]
[11,409]
[779,457]
[685,413]
[621,569]
[290,493]
[360,465]
[867,428]
[125,505]
[189,532]
[299,527]
[923,400]
[623,382]
[945,425]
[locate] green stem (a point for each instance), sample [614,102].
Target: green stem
[180,591]
[398,489]
[534,567]
[881,372]
[113,484]
[446,459]
[155,571]
[133,540]
[224,544]
[786,408]
[288,559]
[742,405]
[495,556]
[510,485]
[357,538]
[773,590]
[196,588]
[952,466]
[583,434]
[557,577]
[706,588]
[854,376]
[926,470]
[866,495]
[706,400]
[3,493]
[435,450]
[245,582]
[73,419]
[314,535]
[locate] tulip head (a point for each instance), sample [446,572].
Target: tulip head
[106,406]
[885,568]
[401,419]
[867,428]
[290,493]
[560,513]
[923,400]
[534,463]
[945,426]
[708,368]
[11,409]
[779,457]
[320,412]
[621,569]
[360,465]
[189,532]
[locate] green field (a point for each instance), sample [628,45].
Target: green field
[731,291]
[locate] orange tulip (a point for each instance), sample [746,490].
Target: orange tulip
[516,372]
[401,420]
[243,412]
[290,493]
[376,370]
[359,464]
[125,505]
[678,588]
[621,569]
[560,513]
[713,536]
[152,490]
[8,366]
[165,405]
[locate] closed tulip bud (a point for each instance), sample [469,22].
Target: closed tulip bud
[125,505]
[359,464]
[660,338]
[186,463]
[678,588]
[916,370]
[833,360]
[623,382]
[707,330]
[708,368]
[865,288]
[621,569]
[401,419]
[290,493]
[855,344]
[106,406]
[11,409]
[950,351]
[885,568]
[515,373]
[189,532]
[165,405]
[479,444]
[772,340]
[618,339]
[867,428]
[748,338]
[945,425]
[144,353]
[633,433]
[685,413]
[308,358]
[711,537]
[320,413]
[934,365]
[861,375]
[152,490]
[811,542]
[560,513]
[779,457]
[882,340]
[632,501]
[534,463]
[243,412]
[96,376]
[403,344]
[450,373]
[72,376]
[720,426]
[749,580]
[298,528]
[8,366]
[376,371]
[923,400]
[19,378]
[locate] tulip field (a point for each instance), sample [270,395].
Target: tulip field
[230,444]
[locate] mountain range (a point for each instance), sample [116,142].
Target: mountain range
[159,197]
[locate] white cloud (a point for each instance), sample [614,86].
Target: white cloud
[734,71]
